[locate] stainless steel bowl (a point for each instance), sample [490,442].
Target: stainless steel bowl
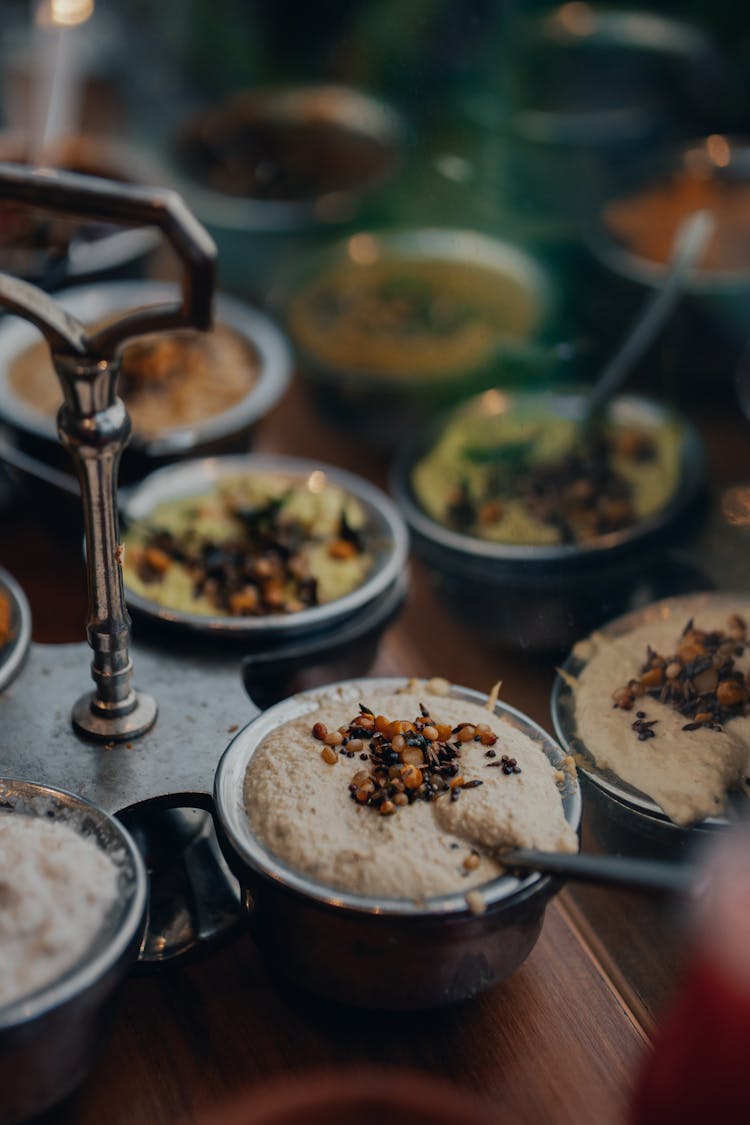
[623,819]
[385,535]
[49,1039]
[541,598]
[13,652]
[379,952]
[257,235]
[225,432]
[384,407]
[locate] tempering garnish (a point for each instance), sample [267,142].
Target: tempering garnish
[409,761]
[700,680]
[258,545]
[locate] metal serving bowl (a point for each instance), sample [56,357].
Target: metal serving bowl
[545,597]
[623,819]
[228,431]
[255,234]
[94,250]
[382,406]
[13,652]
[385,536]
[379,952]
[49,1039]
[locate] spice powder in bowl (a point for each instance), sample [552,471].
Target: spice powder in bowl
[666,705]
[255,545]
[405,794]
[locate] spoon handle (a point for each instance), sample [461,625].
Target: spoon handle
[691,237]
[610,870]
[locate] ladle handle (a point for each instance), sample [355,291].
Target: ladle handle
[68,193]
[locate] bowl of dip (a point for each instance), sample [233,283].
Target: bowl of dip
[188,393]
[389,324]
[654,706]
[365,820]
[530,530]
[258,548]
[638,220]
[273,170]
[74,893]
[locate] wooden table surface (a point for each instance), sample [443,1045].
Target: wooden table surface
[559,1041]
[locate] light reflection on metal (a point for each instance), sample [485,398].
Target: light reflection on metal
[576,18]
[316,482]
[494,402]
[363,249]
[719,150]
[64,13]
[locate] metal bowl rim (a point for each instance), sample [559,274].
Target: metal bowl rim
[471,548]
[562,713]
[243,213]
[210,469]
[254,327]
[88,970]
[498,893]
[604,247]
[11,662]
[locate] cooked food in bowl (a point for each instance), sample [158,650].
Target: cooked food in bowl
[528,474]
[389,313]
[663,702]
[56,887]
[402,794]
[290,144]
[252,545]
[168,380]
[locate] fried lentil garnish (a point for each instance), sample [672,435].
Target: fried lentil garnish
[260,570]
[700,679]
[408,761]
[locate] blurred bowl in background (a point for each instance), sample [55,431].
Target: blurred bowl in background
[635,226]
[270,171]
[52,251]
[388,326]
[15,628]
[544,595]
[50,1038]
[196,394]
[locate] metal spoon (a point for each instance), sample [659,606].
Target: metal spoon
[656,875]
[691,238]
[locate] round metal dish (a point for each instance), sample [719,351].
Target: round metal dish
[623,818]
[379,952]
[109,251]
[383,405]
[13,652]
[541,597]
[386,538]
[49,1039]
[227,430]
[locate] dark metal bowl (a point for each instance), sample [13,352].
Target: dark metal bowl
[49,1039]
[545,597]
[623,819]
[379,952]
[228,431]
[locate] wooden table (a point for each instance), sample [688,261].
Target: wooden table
[559,1041]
